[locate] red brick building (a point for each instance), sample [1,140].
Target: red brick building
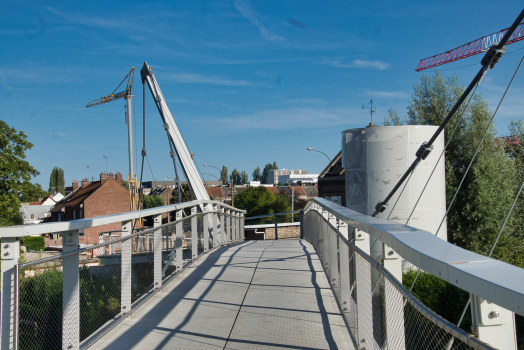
[91,199]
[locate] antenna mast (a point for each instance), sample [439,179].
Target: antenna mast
[371,111]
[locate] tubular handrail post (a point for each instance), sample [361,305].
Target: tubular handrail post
[179,237]
[302,224]
[276,227]
[70,292]
[10,255]
[157,252]
[125,303]
[222,236]
[194,233]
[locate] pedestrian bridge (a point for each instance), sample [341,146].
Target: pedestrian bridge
[195,283]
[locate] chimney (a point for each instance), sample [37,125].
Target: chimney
[75,185]
[104,177]
[85,183]
[119,177]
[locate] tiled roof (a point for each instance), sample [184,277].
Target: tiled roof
[75,198]
[311,191]
[334,167]
[215,192]
[298,190]
[273,190]
[39,211]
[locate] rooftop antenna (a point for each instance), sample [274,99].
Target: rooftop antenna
[87,171]
[371,111]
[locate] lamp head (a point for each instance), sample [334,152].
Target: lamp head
[309,149]
[205,165]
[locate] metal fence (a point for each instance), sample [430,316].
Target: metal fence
[379,311]
[70,300]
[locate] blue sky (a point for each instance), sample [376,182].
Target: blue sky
[248,82]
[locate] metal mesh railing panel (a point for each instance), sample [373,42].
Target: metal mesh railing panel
[40,307]
[380,313]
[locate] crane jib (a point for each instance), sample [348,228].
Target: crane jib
[472,48]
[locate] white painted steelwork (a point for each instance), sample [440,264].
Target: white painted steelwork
[490,279]
[175,136]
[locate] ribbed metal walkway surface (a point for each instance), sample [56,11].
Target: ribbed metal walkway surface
[253,295]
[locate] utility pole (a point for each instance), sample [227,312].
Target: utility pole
[371,111]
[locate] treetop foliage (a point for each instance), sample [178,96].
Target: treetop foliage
[259,201]
[15,173]
[56,181]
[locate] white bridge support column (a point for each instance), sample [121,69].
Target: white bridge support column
[179,238]
[242,229]
[222,235]
[215,227]
[157,252]
[228,230]
[364,292]
[10,255]
[125,279]
[70,292]
[194,233]
[493,324]
[206,225]
[394,301]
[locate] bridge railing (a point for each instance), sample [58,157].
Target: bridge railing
[70,300]
[379,311]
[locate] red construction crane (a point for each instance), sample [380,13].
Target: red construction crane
[472,48]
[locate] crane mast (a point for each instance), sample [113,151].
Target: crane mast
[127,95]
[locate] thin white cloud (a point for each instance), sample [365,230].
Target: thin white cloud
[193,78]
[359,64]
[249,13]
[285,119]
[388,94]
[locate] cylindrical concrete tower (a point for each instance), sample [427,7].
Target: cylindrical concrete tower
[375,158]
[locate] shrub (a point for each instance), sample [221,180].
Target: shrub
[33,242]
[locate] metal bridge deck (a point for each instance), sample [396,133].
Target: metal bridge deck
[253,295]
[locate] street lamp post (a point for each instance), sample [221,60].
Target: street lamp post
[216,169]
[316,150]
[106,163]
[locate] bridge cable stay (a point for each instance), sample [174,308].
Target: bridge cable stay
[474,156]
[489,61]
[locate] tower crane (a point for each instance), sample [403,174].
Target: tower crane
[125,94]
[472,48]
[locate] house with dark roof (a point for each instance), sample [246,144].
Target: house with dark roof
[91,199]
[332,181]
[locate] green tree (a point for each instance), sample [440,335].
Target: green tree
[32,192]
[151,202]
[244,178]
[491,183]
[259,201]
[257,176]
[224,175]
[265,173]
[275,167]
[235,175]
[15,173]
[187,196]
[56,181]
